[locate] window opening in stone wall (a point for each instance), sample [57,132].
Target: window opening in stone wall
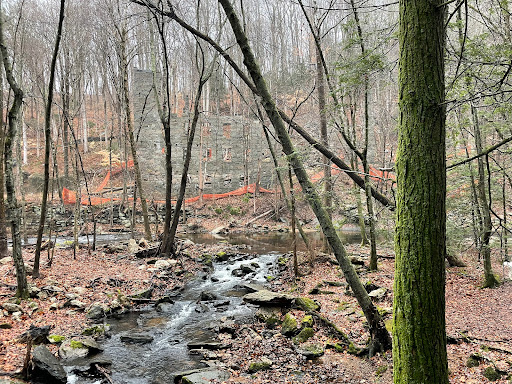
[207,154]
[227,180]
[207,180]
[226,154]
[226,130]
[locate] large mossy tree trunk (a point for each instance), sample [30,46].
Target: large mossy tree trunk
[10,185]
[380,339]
[419,334]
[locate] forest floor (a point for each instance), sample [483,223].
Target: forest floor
[479,321]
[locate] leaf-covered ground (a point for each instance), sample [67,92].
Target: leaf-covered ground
[479,321]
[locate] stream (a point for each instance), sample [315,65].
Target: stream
[188,320]
[176,325]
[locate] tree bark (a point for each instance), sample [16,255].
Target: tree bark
[10,185]
[3,223]
[379,335]
[482,187]
[47,148]
[419,335]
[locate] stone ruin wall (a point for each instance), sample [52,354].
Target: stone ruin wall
[232,148]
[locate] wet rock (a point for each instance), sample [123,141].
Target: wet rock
[92,344]
[247,268]
[222,256]
[204,376]
[208,344]
[237,272]
[11,307]
[137,338]
[253,287]
[208,296]
[311,350]
[289,326]
[202,308]
[46,366]
[260,365]
[268,298]
[73,349]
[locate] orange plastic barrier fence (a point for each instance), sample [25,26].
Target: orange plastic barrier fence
[69,196]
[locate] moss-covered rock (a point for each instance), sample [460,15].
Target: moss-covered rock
[381,369]
[491,374]
[96,330]
[56,339]
[271,316]
[472,361]
[221,256]
[289,326]
[307,321]
[307,304]
[311,350]
[304,335]
[207,259]
[260,365]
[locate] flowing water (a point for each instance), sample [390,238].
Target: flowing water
[176,325]
[188,319]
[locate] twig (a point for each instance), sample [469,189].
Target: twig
[104,371]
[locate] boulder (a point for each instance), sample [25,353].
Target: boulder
[222,256]
[304,335]
[133,247]
[208,344]
[311,350]
[221,230]
[38,335]
[97,311]
[76,304]
[307,304]
[271,316]
[165,264]
[247,268]
[378,293]
[11,307]
[289,326]
[260,365]
[46,367]
[307,321]
[268,298]
[205,377]
[507,267]
[73,349]
[208,296]
[137,338]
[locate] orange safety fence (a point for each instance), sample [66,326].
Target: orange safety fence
[69,196]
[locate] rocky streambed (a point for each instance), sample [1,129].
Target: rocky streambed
[175,336]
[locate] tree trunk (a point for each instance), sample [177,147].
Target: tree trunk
[482,188]
[419,334]
[3,223]
[379,334]
[12,203]
[47,148]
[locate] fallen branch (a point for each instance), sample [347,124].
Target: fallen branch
[259,217]
[104,371]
